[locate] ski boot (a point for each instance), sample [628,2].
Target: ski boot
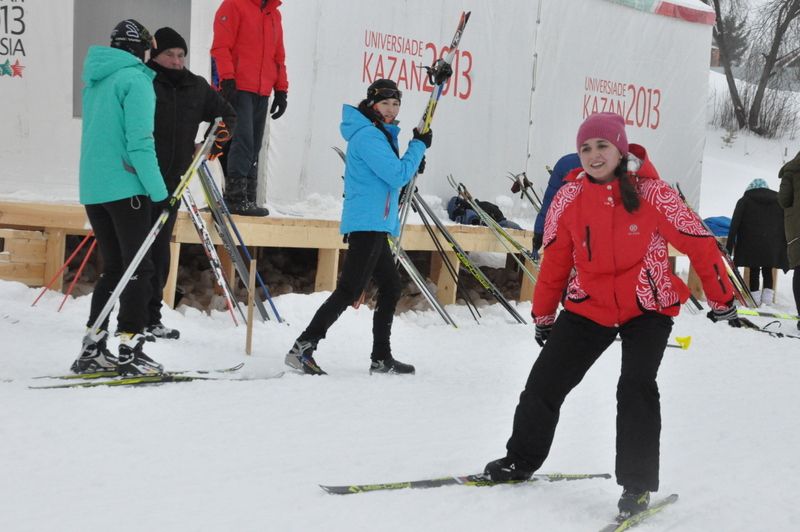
[132,360]
[508,469]
[94,356]
[632,501]
[158,330]
[300,357]
[392,366]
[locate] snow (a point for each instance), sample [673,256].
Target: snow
[248,455]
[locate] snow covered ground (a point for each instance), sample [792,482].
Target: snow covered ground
[249,455]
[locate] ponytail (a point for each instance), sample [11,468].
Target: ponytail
[630,196]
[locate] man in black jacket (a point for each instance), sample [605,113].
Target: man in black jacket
[183,101]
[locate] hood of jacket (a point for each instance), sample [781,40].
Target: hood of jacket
[638,164]
[103,61]
[762,196]
[353,121]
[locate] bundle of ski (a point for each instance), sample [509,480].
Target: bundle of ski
[624,523]
[478,480]
[155,379]
[422,206]
[106,374]
[498,230]
[213,257]
[222,220]
[438,74]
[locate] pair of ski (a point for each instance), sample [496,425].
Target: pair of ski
[111,378]
[620,523]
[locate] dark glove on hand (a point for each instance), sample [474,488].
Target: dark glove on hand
[421,168]
[159,206]
[542,333]
[727,314]
[278,105]
[223,135]
[443,73]
[426,138]
[227,87]
[537,241]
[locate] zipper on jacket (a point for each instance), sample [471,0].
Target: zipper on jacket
[653,288]
[588,243]
[388,205]
[719,279]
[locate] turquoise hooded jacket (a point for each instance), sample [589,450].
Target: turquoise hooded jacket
[118,156]
[373,174]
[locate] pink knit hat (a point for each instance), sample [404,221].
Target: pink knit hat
[609,126]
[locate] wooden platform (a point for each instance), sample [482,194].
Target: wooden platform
[35,243]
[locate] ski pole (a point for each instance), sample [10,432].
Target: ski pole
[77,274]
[63,267]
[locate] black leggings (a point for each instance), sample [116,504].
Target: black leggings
[368,256]
[796,288]
[120,228]
[765,273]
[574,345]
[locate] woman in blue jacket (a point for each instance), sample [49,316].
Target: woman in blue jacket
[374,175]
[119,177]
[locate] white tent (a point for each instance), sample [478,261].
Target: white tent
[525,77]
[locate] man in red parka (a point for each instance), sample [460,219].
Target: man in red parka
[250,60]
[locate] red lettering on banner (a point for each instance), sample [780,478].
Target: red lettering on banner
[639,106]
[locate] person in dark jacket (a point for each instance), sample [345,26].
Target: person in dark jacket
[374,174]
[183,101]
[119,177]
[250,60]
[789,199]
[563,166]
[756,238]
[606,259]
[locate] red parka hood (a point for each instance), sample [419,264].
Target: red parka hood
[638,164]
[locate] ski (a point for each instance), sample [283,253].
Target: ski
[763,314]
[629,522]
[468,480]
[112,373]
[142,380]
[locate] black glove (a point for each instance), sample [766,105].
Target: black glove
[537,241]
[227,87]
[159,206]
[223,135]
[421,168]
[426,138]
[727,314]
[542,333]
[278,105]
[442,72]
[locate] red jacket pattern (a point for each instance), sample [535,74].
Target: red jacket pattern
[248,46]
[614,264]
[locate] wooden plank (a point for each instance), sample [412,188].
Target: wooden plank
[24,250]
[18,233]
[446,286]
[29,274]
[168,295]
[526,285]
[327,270]
[54,256]
[694,284]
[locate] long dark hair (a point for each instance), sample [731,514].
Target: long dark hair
[630,197]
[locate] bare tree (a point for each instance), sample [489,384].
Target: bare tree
[772,51]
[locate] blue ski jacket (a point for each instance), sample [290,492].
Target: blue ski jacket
[564,166]
[374,174]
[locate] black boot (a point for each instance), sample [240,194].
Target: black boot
[251,195]
[392,366]
[633,501]
[508,469]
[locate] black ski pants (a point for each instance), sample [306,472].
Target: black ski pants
[575,343]
[120,227]
[160,254]
[368,256]
[241,175]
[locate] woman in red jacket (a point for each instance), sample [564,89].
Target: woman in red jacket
[606,259]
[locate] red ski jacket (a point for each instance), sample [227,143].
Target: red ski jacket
[248,46]
[620,259]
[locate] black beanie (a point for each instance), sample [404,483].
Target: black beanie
[131,36]
[375,94]
[167,38]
